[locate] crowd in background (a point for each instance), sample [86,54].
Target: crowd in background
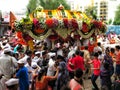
[64,67]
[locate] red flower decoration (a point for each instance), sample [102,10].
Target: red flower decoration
[85,27]
[49,22]
[97,24]
[55,22]
[39,31]
[27,37]
[19,34]
[77,36]
[74,24]
[66,22]
[35,22]
[53,37]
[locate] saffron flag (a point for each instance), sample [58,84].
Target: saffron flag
[31,16]
[12,19]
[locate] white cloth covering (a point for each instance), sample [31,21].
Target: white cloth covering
[12,81]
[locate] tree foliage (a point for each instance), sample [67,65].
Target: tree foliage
[117,16]
[53,4]
[91,11]
[31,6]
[46,4]
[110,22]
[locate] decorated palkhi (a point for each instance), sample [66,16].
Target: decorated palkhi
[42,24]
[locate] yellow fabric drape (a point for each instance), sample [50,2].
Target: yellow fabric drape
[30,44]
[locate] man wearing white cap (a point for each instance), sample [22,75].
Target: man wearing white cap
[22,74]
[30,66]
[51,68]
[5,45]
[51,65]
[6,68]
[37,57]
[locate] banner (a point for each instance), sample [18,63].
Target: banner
[12,19]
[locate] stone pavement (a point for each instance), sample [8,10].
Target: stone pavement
[88,84]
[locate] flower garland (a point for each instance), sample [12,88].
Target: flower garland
[85,27]
[40,37]
[42,25]
[98,25]
[49,22]
[74,24]
[63,24]
[86,35]
[66,23]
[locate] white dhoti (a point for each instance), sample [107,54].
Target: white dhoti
[2,83]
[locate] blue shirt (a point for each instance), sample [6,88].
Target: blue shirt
[22,74]
[15,49]
[105,77]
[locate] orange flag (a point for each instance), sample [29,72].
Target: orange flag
[31,16]
[12,19]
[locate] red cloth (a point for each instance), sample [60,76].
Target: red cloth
[96,64]
[43,83]
[21,41]
[78,62]
[75,85]
[82,48]
[69,67]
[118,58]
[20,38]
[27,37]
[91,48]
[19,34]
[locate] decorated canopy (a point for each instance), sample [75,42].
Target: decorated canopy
[59,23]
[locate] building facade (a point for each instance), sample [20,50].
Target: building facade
[105,9]
[102,9]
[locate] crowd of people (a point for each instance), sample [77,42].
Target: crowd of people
[64,67]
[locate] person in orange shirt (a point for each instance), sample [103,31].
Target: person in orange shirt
[112,53]
[76,83]
[41,80]
[112,40]
[117,60]
[96,70]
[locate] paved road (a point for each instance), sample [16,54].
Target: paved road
[88,84]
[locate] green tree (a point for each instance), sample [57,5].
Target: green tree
[109,21]
[53,4]
[46,4]
[31,6]
[117,16]
[91,12]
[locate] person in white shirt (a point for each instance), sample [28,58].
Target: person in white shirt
[6,68]
[51,65]
[28,54]
[6,45]
[98,47]
[51,68]
[37,57]
[30,68]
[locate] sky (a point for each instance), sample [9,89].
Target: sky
[13,5]
[18,5]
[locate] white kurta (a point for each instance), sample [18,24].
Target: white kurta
[51,68]
[6,67]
